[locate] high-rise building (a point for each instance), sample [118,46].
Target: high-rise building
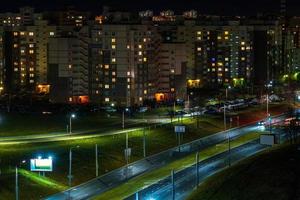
[68,66]
[122,59]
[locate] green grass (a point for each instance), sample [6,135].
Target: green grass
[110,148]
[142,181]
[271,175]
[41,180]
[18,124]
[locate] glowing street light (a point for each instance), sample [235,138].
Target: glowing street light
[72,116]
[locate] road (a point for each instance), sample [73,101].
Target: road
[185,180]
[119,176]
[55,137]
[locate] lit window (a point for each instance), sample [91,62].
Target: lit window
[145,59]
[199,32]
[242,43]
[243,48]
[31,51]
[113,46]
[128,86]
[16,34]
[219,38]
[128,46]
[226,32]
[106,66]
[226,59]
[140,53]
[113,60]
[113,80]
[128,73]
[140,46]
[106,99]
[145,91]
[141,98]
[51,33]
[70,99]
[113,73]
[70,66]
[113,40]
[106,86]
[31,33]
[199,49]
[22,33]
[172,71]
[15,45]
[172,89]
[31,45]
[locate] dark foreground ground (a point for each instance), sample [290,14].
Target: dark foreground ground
[272,175]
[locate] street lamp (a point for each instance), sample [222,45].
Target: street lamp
[17,179]
[270,84]
[226,96]
[72,116]
[70,169]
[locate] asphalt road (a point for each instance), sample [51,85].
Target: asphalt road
[55,137]
[114,178]
[185,180]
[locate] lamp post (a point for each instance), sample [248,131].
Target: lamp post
[226,96]
[70,176]
[70,122]
[17,180]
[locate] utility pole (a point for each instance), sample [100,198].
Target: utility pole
[226,94]
[123,120]
[229,150]
[144,142]
[197,169]
[17,183]
[173,185]
[97,164]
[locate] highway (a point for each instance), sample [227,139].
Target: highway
[185,180]
[119,176]
[56,137]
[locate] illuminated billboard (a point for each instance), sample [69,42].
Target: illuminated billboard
[41,165]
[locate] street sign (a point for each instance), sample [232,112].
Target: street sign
[127,152]
[179,129]
[41,165]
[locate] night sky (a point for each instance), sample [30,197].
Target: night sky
[219,7]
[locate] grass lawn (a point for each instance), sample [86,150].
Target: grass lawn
[271,175]
[142,181]
[30,124]
[110,149]
[111,155]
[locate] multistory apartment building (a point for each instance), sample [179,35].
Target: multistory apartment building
[68,66]
[171,72]
[122,59]
[122,63]
[26,57]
